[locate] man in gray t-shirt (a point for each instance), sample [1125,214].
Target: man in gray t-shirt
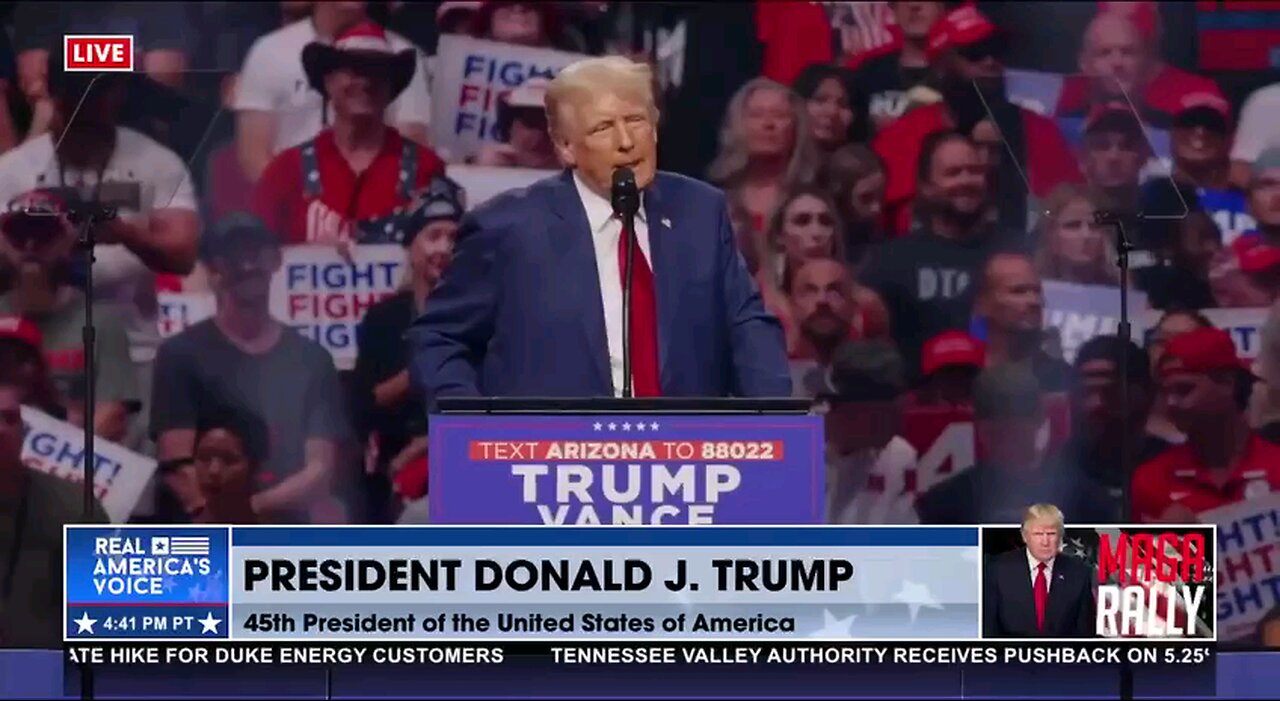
[244,361]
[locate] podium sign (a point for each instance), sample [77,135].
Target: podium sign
[585,469]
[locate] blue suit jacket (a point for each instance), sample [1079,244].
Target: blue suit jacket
[519,312]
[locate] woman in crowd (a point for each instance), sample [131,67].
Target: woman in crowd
[389,415]
[855,176]
[522,126]
[229,449]
[765,148]
[832,106]
[1171,324]
[805,225]
[1073,246]
[537,24]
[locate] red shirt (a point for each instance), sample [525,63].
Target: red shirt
[1049,161]
[794,35]
[1176,476]
[281,199]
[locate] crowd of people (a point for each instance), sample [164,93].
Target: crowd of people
[899,208]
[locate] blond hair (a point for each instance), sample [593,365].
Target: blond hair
[591,76]
[1042,512]
[1102,272]
[730,164]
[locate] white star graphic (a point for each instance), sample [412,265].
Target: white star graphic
[209,624]
[613,426]
[626,426]
[84,624]
[640,426]
[653,425]
[916,596]
[682,597]
[597,425]
[833,627]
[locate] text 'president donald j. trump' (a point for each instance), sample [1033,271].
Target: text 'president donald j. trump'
[532,303]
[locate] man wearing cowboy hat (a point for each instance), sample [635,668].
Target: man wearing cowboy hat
[358,180]
[276,104]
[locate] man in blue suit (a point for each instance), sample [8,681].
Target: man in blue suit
[532,304]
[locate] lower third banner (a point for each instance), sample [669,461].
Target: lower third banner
[454,583]
[627,470]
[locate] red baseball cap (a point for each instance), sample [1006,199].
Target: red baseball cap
[23,330]
[952,349]
[1202,350]
[1255,255]
[1203,108]
[963,26]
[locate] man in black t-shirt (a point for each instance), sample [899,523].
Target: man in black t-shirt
[244,361]
[886,77]
[926,278]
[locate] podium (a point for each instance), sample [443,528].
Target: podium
[607,461]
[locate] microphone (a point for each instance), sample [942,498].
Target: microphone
[624,196]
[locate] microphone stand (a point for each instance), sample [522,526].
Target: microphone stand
[86,217]
[1123,248]
[629,228]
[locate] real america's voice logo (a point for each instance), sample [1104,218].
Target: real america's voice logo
[144,566]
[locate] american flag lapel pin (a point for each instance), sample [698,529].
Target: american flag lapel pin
[666,222]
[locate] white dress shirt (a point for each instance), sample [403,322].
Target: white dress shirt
[606,230]
[1033,563]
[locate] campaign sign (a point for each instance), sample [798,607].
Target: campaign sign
[1034,90]
[610,469]
[482,183]
[179,311]
[470,76]
[1080,312]
[1243,323]
[57,448]
[153,583]
[324,297]
[1248,569]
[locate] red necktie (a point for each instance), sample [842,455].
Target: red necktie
[644,321]
[1042,596]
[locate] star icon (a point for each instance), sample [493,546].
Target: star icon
[640,426]
[597,425]
[916,596]
[209,624]
[653,426]
[613,426]
[833,627]
[682,598]
[196,593]
[84,624]
[626,426]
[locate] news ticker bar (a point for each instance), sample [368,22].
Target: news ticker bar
[1179,654]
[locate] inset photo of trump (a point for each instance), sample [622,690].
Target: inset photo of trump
[1045,580]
